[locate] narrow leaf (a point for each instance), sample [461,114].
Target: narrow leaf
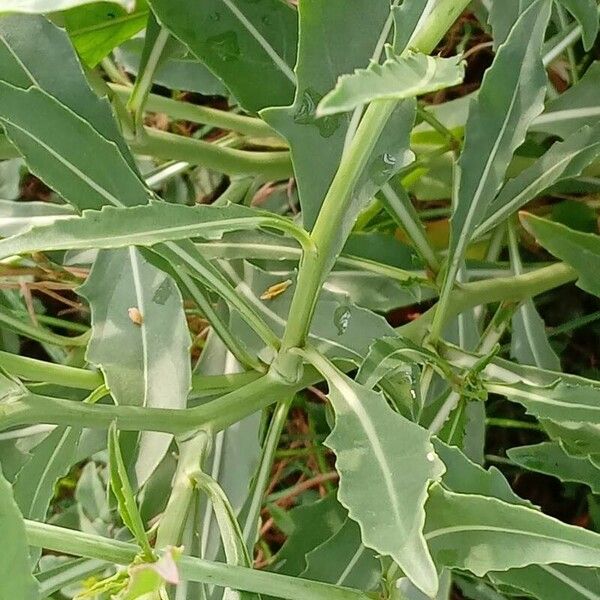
[344,560]
[80,164]
[16,579]
[481,534]
[17,217]
[511,96]
[551,458]
[98,28]
[144,225]
[580,250]
[30,48]
[586,13]
[563,161]
[553,582]
[466,477]
[386,463]
[576,107]
[560,402]
[121,488]
[399,77]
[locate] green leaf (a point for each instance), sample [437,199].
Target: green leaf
[586,13]
[144,225]
[385,463]
[319,142]
[97,28]
[121,488]
[17,217]
[529,342]
[339,328]
[140,340]
[178,68]
[560,402]
[30,50]
[553,582]
[551,458]
[344,560]
[305,537]
[16,580]
[503,16]
[237,448]
[50,460]
[80,164]
[580,439]
[399,77]
[510,97]
[563,161]
[481,534]
[47,6]
[580,250]
[573,109]
[241,43]
[466,477]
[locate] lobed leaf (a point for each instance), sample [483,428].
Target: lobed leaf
[399,77]
[145,360]
[144,225]
[385,463]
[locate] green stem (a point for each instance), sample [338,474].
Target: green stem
[263,473]
[235,193]
[38,333]
[399,206]
[201,114]
[161,144]
[501,289]
[315,267]
[172,522]
[326,234]
[67,541]
[216,415]
[39,370]
[143,83]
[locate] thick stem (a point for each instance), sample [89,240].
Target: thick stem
[67,541]
[172,522]
[502,289]
[185,111]
[315,267]
[216,415]
[327,239]
[263,473]
[161,144]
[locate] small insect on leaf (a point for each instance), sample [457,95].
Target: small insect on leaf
[276,290]
[135,315]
